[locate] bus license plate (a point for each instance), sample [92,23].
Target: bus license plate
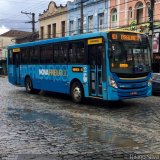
[133,93]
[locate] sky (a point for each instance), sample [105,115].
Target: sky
[12,18]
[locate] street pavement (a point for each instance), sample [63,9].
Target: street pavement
[50,126]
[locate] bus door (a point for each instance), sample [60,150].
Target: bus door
[16,64]
[95,53]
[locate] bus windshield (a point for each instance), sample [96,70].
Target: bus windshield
[129,54]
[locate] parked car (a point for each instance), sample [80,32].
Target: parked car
[156,83]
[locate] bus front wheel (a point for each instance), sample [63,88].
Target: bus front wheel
[77,92]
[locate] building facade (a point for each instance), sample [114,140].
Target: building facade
[52,23]
[133,15]
[98,15]
[95,16]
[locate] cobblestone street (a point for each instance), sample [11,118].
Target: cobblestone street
[51,126]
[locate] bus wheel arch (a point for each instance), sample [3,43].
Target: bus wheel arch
[76,91]
[29,85]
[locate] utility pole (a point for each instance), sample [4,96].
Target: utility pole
[81,22]
[81,13]
[32,21]
[151,21]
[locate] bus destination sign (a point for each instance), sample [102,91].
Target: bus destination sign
[94,41]
[125,37]
[77,69]
[16,49]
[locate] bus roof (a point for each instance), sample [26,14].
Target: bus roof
[60,39]
[122,30]
[67,38]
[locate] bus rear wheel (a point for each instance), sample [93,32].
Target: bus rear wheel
[77,92]
[28,85]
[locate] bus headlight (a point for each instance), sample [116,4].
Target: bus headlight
[112,83]
[150,82]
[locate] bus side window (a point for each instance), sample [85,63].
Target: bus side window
[10,57]
[49,50]
[65,52]
[46,54]
[80,54]
[71,53]
[23,56]
[34,54]
[42,54]
[29,52]
[58,54]
[62,53]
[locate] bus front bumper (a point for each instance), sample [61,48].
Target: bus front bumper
[120,94]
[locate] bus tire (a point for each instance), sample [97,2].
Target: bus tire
[77,92]
[28,85]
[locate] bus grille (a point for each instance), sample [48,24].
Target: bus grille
[134,89]
[137,85]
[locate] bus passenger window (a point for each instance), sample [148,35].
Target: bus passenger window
[61,54]
[43,54]
[46,54]
[34,54]
[71,53]
[58,54]
[24,56]
[65,52]
[10,57]
[49,54]
[80,52]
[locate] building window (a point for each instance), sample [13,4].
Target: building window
[90,23]
[101,21]
[114,18]
[71,27]
[42,32]
[49,31]
[139,12]
[63,28]
[130,13]
[54,30]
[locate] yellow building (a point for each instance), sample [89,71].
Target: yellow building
[52,23]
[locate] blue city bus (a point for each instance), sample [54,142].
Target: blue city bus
[112,65]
